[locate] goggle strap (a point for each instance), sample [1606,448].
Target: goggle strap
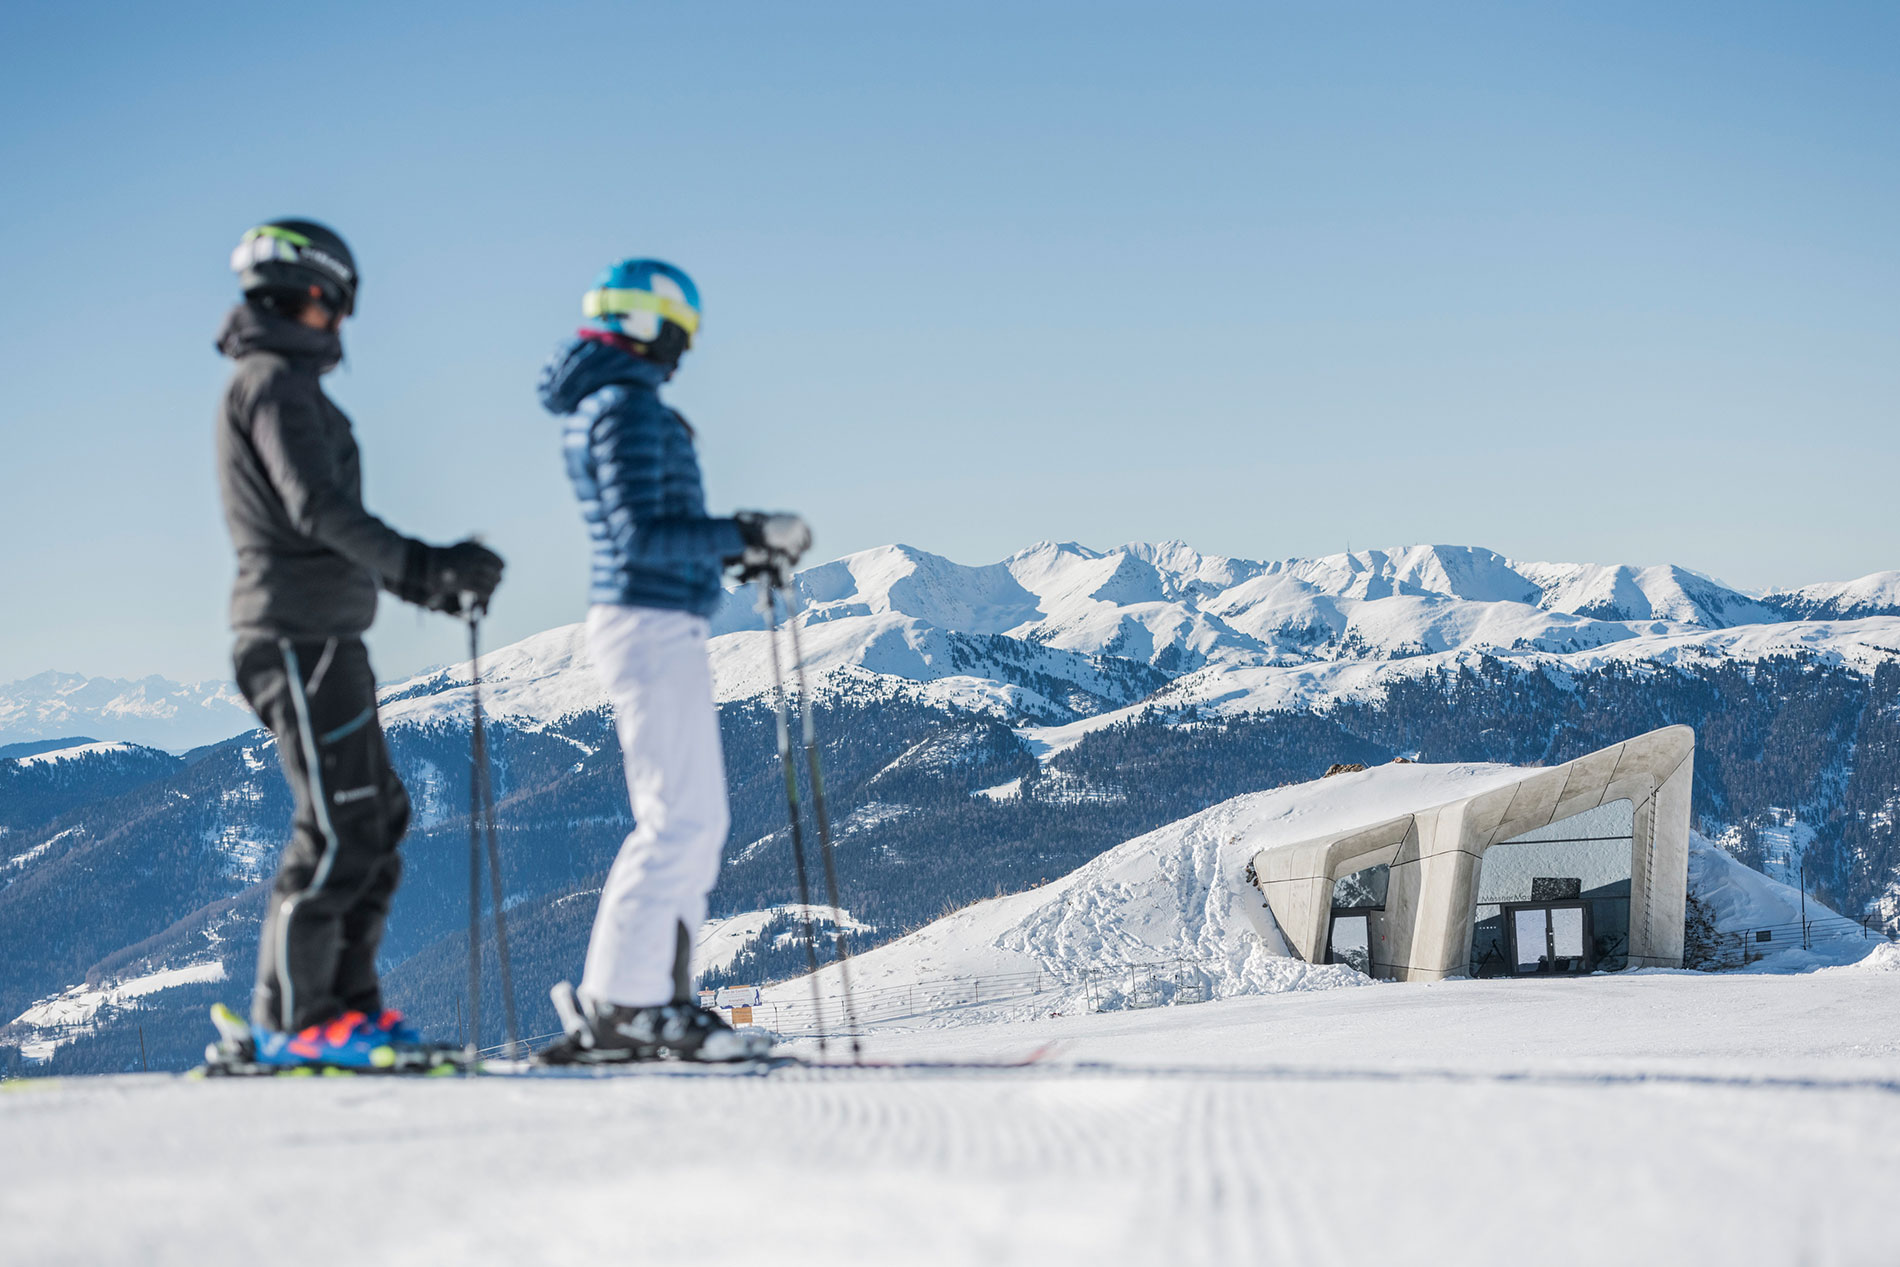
[608,302]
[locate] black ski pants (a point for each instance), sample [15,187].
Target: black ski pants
[324,922]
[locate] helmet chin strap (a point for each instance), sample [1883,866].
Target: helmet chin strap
[633,347]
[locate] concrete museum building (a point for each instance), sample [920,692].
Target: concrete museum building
[1564,869]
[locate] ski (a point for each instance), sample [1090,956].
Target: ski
[452,1063]
[252,1069]
[234,1056]
[755,1066]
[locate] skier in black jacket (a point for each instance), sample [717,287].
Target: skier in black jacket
[310,562]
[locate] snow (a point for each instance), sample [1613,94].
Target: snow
[59,756]
[1743,901]
[530,683]
[69,1014]
[1229,689]
[1883,958]
[723,940]
[1045,742]
[1172,905]
[1741,897]
[38,851]
[1680,1118]
[1870,594]
[1276,1111]
[1008,791]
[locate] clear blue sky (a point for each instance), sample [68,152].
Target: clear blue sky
[1589,281]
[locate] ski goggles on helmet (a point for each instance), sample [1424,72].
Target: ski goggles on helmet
[607,302]
[270,244]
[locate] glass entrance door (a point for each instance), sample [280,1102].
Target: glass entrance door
[1533,948]
[1352,941]
[1566,932]
[1550,937]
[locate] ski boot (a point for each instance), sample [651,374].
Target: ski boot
[353,1041]
[610,1034]
[235,1051]
[401,1033]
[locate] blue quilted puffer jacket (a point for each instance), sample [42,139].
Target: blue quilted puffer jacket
[637,475]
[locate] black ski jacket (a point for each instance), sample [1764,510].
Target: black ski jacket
[310,558]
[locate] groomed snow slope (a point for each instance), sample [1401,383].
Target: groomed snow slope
[1732,1121]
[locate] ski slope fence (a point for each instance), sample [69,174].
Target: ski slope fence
[1739,948]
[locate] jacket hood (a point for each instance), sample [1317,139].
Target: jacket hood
[582,366]
[249,329]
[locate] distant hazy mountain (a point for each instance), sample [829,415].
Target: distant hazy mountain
[152,710]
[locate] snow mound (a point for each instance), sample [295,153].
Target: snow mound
[1743,901]
[1885,957]
[1742,898]
[1166,917]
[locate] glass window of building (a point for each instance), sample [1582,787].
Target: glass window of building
[1363,890]
[1550,880]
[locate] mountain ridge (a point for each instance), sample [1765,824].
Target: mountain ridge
[1058,631]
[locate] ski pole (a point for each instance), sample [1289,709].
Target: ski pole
[474,1041]
[481,827]
[763,579]
[819,812]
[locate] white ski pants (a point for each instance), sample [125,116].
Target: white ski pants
[654,668]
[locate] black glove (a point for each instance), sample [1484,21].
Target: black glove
[441,577]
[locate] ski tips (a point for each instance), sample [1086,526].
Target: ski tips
[229,1024]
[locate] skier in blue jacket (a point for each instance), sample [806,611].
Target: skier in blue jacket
[658,559]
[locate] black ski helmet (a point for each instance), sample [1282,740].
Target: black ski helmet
[295,256]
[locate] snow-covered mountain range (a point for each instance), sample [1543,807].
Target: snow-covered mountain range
[1060,634]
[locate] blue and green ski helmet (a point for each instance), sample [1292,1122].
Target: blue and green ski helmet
[648,302]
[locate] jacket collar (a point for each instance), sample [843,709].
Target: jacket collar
[585,364]
[248,328]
